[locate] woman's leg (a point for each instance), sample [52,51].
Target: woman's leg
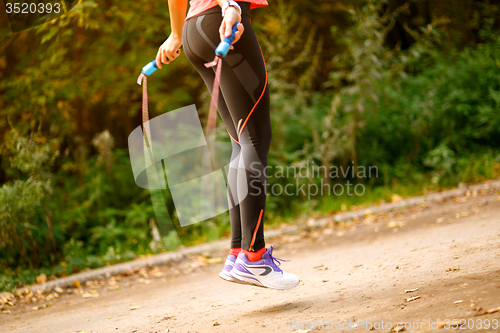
[245,112]
[244,108]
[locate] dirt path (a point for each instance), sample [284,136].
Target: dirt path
[351,273]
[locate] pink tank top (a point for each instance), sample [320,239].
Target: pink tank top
[199,6]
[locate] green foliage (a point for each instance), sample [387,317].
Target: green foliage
[448,109]
[27,236]
[21,238]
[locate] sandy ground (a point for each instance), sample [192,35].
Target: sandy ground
[353,273]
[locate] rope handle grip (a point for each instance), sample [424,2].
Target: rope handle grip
[223,48]
[150,68]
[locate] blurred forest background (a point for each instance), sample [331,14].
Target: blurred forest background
[409,86]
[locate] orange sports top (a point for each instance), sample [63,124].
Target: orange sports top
[199,6]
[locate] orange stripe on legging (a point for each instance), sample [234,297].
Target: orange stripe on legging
[232,137]
[255,231]
[262,94]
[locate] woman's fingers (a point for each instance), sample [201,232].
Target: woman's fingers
[170,55]
[169,50]
[158,59]
[228,29]
[237,34]
[222,30]
[166,56]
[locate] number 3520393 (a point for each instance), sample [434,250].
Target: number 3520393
[32,8]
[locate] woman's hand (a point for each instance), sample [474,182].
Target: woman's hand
[231,16]
[169,50]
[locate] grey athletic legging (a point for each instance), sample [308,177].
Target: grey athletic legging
[244,108]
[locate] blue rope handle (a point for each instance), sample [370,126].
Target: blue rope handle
[223,48]
[150,68]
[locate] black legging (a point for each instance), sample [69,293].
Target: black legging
[244,108]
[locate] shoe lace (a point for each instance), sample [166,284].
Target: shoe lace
[275,262]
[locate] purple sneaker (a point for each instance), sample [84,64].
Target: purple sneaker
[264,273]
[228,266]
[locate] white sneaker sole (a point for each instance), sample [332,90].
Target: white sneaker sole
[226,277]
[251,279]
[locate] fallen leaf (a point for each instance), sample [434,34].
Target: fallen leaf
[23,291]
[453,269]
[398,329]
[76,283]
[216,324]
[145,281]
[36,308]
[412,298]
[59,290]
[411,290]
[492,311]
[458,302]
[369,219]
[328,231]
[42,278]
[311,223]
[4,299]
[143,273]
[135,307]
[217,260]
[394,224]
[396,198]
[89,295]
[321,268]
